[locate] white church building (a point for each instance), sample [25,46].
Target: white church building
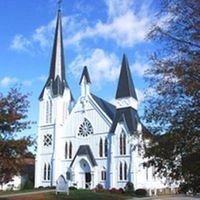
[89,141]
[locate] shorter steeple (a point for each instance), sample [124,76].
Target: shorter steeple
[125,85]
[57,80]
[85,82]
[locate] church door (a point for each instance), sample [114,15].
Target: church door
[87,180]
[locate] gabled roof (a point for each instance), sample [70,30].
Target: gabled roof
[82,151]
[108,108]
[125,85]
[86,75]
[127,115]
[57,80]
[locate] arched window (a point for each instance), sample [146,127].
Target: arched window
[120,171]
[103,174]
[50,111]
[125,171]
[66,150]
[106,148]
[122,143]
[100,148]
[85,129]
[48,172]
[47,112]
[45,172]
[70,150]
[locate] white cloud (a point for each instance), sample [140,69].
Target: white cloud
[20,43]
[102,66]
[27,83]
[42,78]
[140,95]
[7,81]
[139,67]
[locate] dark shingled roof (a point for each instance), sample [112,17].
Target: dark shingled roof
[108,108]
[86,75]
[85,150]
[125,85]
[57,84]
[127,115]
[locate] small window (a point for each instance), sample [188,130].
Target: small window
[120,171]
[122,143]
[45,172]
[106,147]
[70,150]
[48,172]
[47,140]
[103,175]
[66,150]
[100,148]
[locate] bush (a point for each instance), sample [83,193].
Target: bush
[99,188]
[72,188]
[141,192]
[118,191]
[27,184]
[129,188]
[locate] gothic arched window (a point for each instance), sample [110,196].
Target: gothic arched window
[45,172]
[66,150]
[106,148]
[100,148]
[85,128]
[103,174]
[125,171]
[122,143]
[120,171]
[48,172]
[70,150]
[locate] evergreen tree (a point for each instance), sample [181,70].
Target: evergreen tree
[173,112]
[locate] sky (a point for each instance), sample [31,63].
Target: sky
[95,33]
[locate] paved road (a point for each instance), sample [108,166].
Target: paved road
[24,193]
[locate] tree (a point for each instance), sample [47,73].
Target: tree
[173,112]
[13,120]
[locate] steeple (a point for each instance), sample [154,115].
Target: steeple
[85,82]
[125,85]
[57,80]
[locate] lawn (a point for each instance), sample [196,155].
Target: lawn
[74,195]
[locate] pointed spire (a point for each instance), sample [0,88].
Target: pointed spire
[85,82]
[125,85]
[57,80]
[57,60]
[86,75]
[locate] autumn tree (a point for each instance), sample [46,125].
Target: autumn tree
[173,111]
[13,120]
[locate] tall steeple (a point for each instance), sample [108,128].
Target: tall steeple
[125,85]
[57,80]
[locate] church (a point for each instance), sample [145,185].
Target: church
[89,141]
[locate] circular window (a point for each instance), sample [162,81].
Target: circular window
[85,129]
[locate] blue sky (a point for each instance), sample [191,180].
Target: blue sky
[96,34]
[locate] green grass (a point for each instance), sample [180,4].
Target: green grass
[86,195]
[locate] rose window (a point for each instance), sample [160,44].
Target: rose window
[85,129]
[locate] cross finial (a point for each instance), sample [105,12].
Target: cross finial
[59,4]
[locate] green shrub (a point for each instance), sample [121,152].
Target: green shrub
[141,192]
[27,184]
[129,188]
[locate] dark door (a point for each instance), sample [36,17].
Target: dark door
[87,179]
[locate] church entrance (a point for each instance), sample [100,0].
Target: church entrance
[84,172]
[87,180]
